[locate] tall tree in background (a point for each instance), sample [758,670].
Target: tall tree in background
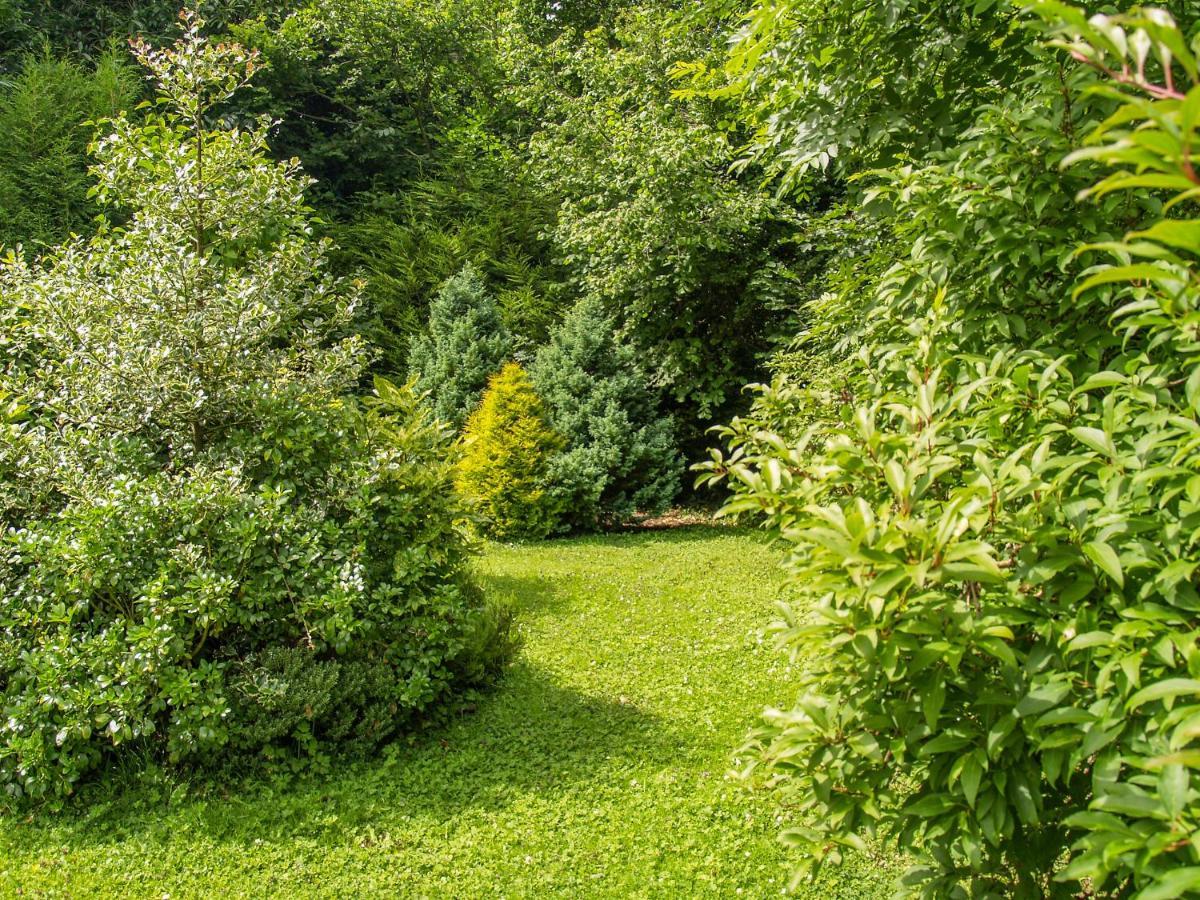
[859,83]
[649,218]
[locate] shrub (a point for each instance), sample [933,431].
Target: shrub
[997,527]
[466,344]
[506,467]
[203,526]
[620,452]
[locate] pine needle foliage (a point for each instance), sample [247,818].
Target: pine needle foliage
[505,473]
[43,144]
[466,344]
[620,457]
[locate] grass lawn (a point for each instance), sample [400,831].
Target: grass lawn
[595,770]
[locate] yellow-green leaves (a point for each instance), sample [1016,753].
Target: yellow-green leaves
[997,526]
[504,473]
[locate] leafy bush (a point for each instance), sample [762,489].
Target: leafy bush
[466,344]
[996,520]
[620,455]
[202,525]
[505,471]
[286,699]
[844,85]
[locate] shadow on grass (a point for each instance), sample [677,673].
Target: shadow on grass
[529,595]
[532,736]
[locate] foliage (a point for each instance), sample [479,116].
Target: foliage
[396,109]
[43,144]
[365,89]
[192,496]
[594,770]
[538,141]
[995,520]
[79,26]
[620,455]
[478,211]
[465,346]
[857,83]
[648,217]
[504,473]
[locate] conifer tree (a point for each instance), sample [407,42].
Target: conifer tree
[510,449]
[466,344]
[620,456]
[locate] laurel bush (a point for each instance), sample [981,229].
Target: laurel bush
[994,520]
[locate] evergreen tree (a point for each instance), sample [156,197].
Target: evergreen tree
[466,344]
[510,448]
[620,456]
[43,144]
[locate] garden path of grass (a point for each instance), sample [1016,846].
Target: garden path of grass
[596,769]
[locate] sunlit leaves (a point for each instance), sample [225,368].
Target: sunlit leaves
[996,523]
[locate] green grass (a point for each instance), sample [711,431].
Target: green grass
[596,769]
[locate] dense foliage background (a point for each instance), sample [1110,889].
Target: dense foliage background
[538,142]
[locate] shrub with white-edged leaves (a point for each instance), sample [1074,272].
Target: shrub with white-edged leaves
[199,516]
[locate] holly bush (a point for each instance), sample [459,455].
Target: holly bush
[994,518]
[199,516]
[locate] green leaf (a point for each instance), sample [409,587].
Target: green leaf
[932,702]
[1173,784]
[1183,234]
[1172,885]
[1106,558]
[972,774]
[1096,439]
[1162,690]
[1192,390]
[1100,380]
[1127,274]
[1041,699]
[931,805]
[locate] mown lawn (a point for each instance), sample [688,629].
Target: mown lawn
[597,769]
